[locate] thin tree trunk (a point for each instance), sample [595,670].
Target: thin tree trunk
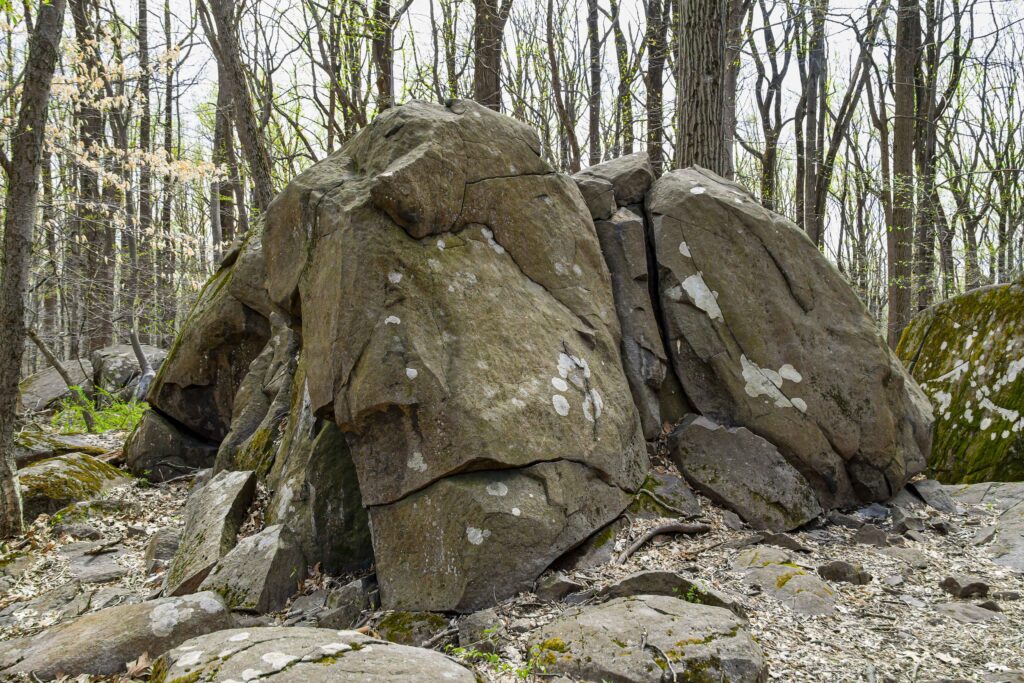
[488,31]
[593,38]
[701,134]
[658,12]
[142,306]
[19,222]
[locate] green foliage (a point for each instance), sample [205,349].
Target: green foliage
[115,414]
[488,660]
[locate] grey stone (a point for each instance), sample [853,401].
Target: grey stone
[484,630]
[672,497]
[213,515]
[966,613]
[43,390]
[757,321]
[628,639]
[794,587]
[770,494]
[1006,545]
[116,370]
[160,549]
[903,522]
[597,195]
[762,556]
[906,500]
[672,584]
[101,642]
[556,586]
[963,586]
[312,655]
[1006,596]
[934,494]
[411,628]
[874,512]
[990,605]
[88,567]
[870,534]
[733,521]
[631,176]
[158,449]
[595,551]
[844,520]
[346,604]
[79,530]
[54,483]
[784,541]
[844,572]
[915,558]
[261,572]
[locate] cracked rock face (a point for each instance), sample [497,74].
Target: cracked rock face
[457,317]
[764,333]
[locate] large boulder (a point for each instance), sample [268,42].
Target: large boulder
[410,256]
[100,643]
[765,334]
[316,655]
[159,449]
[116,370]
[42,390]
[54,483]
[261,572]
[637,639]
[968,355]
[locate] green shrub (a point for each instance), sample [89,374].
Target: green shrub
[114,415]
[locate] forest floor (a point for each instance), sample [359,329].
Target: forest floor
[892,628]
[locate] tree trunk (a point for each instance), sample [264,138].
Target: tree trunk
[143,306]
[488,30]
[593,38]
[19,221]
[901,233]
[658,12]
[701,139]
[383,54]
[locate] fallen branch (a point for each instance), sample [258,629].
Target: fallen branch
[105,547]
[682,514]
[673,528]
[438,637]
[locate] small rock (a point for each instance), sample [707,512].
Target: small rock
[345,605]
[942,527]
[79,530]
[844,572]
[892,580]
[761,556]
[556,586]
[733,521]
[870,534]
[668,488]
[261,572]
[961,586]
[905,500]
[161,548]
[966,613]
[483,630]
[1006,596]
[903,522]
[784,541]
[915,558]
[873,512]
[844,520]
[933,493]
[915,536]
[990,605]
[94,568]
[984,535]
[411,628]
[794,587]
[672,584]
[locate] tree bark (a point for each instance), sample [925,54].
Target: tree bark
[19,222]
[900,237]
[594,40]
[701,139]
[488,30]
[658,13]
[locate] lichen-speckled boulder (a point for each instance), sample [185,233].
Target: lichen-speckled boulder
[213,514]
[313,655]
[456,316]
[764,333]
[102,642]
[51,484]
[737,468]
[628,640]
[968,355]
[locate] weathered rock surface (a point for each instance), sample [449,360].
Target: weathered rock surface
[115,368]
[51,484]
[460,561]
[159,450]
[844,572]
[101,642]
[672,584]
[630,176]
[31,446]
[607,642]
[315,655]
[758,321]
[1007,546]
[968,355]
[745,472]
[161,548]
[88,566]
[42,390]
[213,514]
[261,572]
[665,495]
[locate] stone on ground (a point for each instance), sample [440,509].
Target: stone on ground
[314,655]
[261,572]
[672,584]
[94,562]
[766,334]
[964,586]
[213,514]
[1006,541]
[158,450]
[968,355]
[101,642]
[54,483]
[44,389]
[744,472]
[640,638]
[672,497]
[844,572]
[776,572]
[161,548]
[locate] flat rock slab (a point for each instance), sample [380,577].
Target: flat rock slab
[629,639]
[298,653]
[1006,547]
[261,572]
[94,568]
[966,613]
[797,588]
[770,493]
[213,514]
[672,584]
[43,389]
[100,643]
[54,483]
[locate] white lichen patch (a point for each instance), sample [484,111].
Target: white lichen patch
[251,674]
[561,404]
[411,373]
[278,660]
[394,277]
[440,245]
[416,462]
[702,297]
[799,404]
[592,405]
[189,659]
[489,236]
[697,190]
[477,536]
[684,249]
[239,637]
[516,512]
[166,616]
[788,372]
[497,489]
[559,384]
[335,648]
[768,383]
[392,320]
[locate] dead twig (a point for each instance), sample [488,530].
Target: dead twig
[105,547]
[673,528]
[682,514]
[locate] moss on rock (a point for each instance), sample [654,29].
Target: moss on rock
[51,484]
[967,353]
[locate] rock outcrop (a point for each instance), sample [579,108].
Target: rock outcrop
[51,484]
[434,360]
[968,355]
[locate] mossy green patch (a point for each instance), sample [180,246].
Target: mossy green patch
[51,484]
[404,627]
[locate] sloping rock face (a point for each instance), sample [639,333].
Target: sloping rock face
[51,484]
[968,355]
[1006,544]
[764,333]
[42,390]
[484,340]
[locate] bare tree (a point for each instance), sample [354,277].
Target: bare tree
[491,16]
